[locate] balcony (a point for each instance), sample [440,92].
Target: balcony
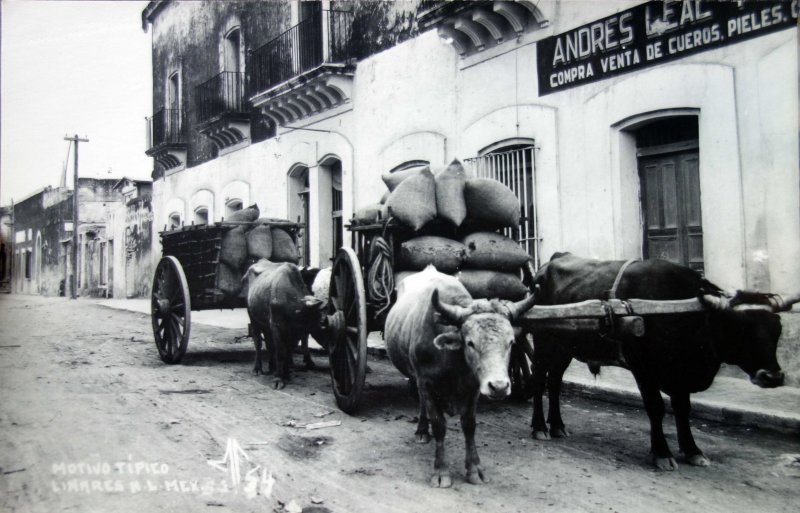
[222,113]
[472,27]
[166,141]
[306,70]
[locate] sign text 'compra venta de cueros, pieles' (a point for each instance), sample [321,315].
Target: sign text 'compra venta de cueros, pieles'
[650,34]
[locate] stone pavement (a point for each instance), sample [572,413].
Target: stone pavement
[731,400]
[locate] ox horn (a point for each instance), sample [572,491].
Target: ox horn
[520,307]
[451,313]
[783,304]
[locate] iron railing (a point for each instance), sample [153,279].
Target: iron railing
[165,127]
[321,38]
[222,94]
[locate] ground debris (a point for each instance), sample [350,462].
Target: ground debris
[326,424]
[292,507]
[323,413]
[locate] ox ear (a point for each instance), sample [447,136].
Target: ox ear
[450,341]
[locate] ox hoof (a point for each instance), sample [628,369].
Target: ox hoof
[668,463]
[541,435]
[476,475]
[441,479]
[423,438]
[698,460]
[279,384]
[559,433]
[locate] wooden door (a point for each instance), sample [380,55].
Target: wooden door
[671,205]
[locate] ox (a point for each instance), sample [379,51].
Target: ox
[676,355]
[283,312]
[455,348]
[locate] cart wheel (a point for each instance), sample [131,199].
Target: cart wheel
[171,310]
[347,345]
[519,368]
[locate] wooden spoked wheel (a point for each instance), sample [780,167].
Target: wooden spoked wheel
[170,310]
[347,328]
[519,368]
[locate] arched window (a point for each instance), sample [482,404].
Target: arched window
[232,206]
[201,215]
[174,220]
[513,162]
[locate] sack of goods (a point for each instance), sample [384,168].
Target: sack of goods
[491,201]
[259,239]
[494,251]
[229,279]
[246,215]
[492,284]
[413,201]
[445,254]
[370,214]
[283,247]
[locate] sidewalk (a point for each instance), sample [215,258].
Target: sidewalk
[729,400]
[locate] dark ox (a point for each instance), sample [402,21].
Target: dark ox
[282,310]
[678,354]
[456,349]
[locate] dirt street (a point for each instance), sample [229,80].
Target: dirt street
[91,420]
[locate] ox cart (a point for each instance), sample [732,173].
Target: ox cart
[361,292]
[188,278]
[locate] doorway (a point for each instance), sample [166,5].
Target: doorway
[669,164]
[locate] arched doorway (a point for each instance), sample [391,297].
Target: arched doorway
[298,208]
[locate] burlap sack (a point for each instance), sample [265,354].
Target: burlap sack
[283,247]
[492,284]
[392,180]
[413,202]
[450,203]
[233,249]
[246,215]
[229,279]
[445,254]
[368,215]
[491,201]
[259,242]
[493,251]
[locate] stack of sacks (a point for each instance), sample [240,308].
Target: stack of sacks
[491,266]
[248,243]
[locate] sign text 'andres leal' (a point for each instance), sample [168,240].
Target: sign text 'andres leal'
[653,33]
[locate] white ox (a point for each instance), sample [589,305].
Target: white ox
[456,349]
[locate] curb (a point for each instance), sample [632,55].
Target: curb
[701,410]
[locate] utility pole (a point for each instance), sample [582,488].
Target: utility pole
[74,280]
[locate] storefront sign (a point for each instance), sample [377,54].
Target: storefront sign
[653,33]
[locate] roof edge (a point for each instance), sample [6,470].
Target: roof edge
[151,11]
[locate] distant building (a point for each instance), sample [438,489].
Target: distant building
[5,247]
[130,240]
[42,235]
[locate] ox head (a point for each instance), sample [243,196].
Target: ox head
[746,329]
[485,336]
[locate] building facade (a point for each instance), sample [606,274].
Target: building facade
[627,129]
[42,246]
[130,240]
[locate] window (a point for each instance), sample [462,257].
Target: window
[174,91]
[232,206]
[201,215]
[513,164]
[232,45]
[336,207]
[174,220]
[299,204]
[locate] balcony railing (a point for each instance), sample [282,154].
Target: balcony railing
[222,94]
[320,39]
[165,127]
